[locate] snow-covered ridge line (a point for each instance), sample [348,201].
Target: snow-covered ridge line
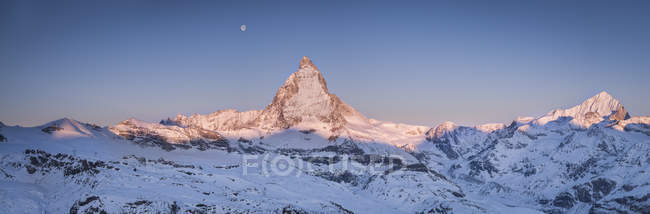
[602,107]
[303,102]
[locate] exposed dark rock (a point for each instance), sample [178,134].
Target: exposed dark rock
[627,204]
[244,140]
[292,151]
[376,159]
[174,208]
[45,162]
[332,138]
[186,172]
[478,166]
[226,167]
[3,138]
[527,168]
[602,187]
[604,209]
[346,148]
[543,201]
[251,149]
[309,131]
[343,210]
[322,160]
[418,167]
[202,209]
[7,175]
[635,204]
[458,194]
[441,209]
[30,169]
[92,204]
[553,211]
[345,177]
[51,129]
[564,200]
[203,145]
[94,127]
[594,190]
[494,187]
[576,171]
[628,187]
[583,192]
[507,132]
[84,166]
[138,203]
[445,146]
[293,210]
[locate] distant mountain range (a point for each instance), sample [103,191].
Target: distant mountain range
[591,158]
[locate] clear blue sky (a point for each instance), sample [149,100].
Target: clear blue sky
[419,62]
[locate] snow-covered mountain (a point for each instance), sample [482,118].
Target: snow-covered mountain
[303,102]
[591,158]
[310,152]
[592,110]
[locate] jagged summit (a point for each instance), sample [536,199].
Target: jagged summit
[306,64]
[304,98]
[602,103]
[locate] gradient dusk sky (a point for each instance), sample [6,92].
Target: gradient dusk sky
[418,62]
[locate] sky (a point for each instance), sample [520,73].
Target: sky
[416,62]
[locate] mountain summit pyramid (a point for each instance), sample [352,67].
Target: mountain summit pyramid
[593,110]
[302,102]
[305,99]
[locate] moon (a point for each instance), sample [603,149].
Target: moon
[242,28]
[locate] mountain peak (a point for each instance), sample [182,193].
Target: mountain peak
[306,64]
[602,103]
[592,110]
[304,98]
[67,127]
[440,130]
[604,94]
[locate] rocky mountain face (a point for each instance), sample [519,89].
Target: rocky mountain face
[304,98]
